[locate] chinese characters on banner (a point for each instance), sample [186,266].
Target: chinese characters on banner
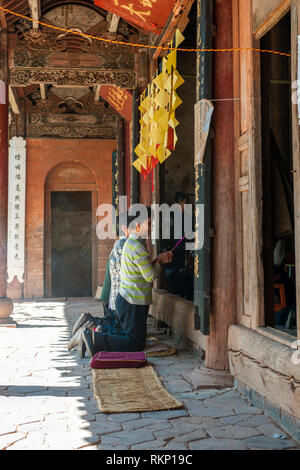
[119,98]
[150,15]
[16,209]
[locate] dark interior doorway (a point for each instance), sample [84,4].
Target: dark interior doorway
[71,243]
[177,173]
[277,178]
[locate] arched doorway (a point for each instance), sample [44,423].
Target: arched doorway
[70,236]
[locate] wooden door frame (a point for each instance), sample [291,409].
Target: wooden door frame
[267,218]
[295,31]
[249,144]
[270,22]
[47,231]
[247,129]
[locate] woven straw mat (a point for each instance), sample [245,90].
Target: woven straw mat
[131,390]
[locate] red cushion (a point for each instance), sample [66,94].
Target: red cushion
[118,360]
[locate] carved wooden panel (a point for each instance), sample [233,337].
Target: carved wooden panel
[51,41]
[70,16]
[66,77]
[67,102]
[71,126]
[102,61]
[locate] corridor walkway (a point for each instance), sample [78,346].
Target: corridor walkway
[46,397]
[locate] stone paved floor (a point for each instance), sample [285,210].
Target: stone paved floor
[46,397]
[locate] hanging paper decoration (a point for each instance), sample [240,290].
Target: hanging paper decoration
[158,122]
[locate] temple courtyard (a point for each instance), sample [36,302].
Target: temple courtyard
[46,396]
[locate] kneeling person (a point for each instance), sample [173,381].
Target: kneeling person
[135,294]
[112,324]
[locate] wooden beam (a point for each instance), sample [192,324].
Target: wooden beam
[3,23]
[43,88]
[97,92]
[113,22]
[178,19]
[35,11]
[263,22]
[14,100]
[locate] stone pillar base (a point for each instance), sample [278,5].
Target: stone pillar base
[6,309]
[204,378]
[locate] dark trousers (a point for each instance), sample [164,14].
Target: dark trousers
[133,319]
[110,323]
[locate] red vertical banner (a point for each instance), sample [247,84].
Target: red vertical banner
[119,98]
[150,15]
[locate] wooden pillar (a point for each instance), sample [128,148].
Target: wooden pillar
[295,31]
[135,140]
[121,157]
[115,181]
[127,161]
[223,309]
[202,281]
[5,304]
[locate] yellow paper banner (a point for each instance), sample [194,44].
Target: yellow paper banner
[157,107]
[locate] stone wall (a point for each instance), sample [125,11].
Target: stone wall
[42,156]
[266,367]
[178,314]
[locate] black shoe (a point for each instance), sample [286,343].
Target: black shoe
[81,346]
[76,338]
[84,318]
[87,336]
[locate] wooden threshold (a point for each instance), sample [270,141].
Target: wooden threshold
[277,335]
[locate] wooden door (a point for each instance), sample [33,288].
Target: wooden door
[70,177]
[71,243]
[250,285]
